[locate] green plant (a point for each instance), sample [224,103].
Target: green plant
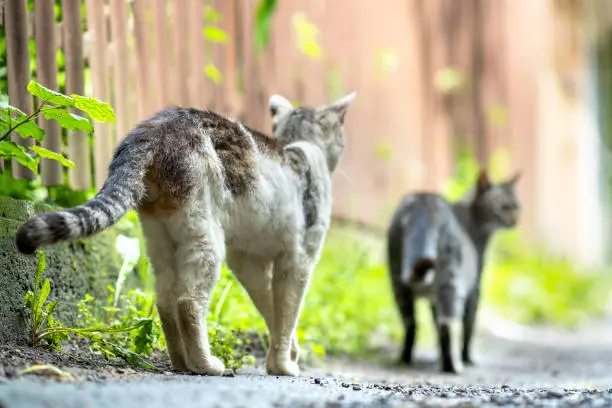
[263,20]
[53,106]
[46,331]
[527,284]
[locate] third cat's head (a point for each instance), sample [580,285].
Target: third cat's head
[322,125]
[497,204]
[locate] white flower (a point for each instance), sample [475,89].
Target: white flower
[129,248]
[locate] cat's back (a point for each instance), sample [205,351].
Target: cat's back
[419,210]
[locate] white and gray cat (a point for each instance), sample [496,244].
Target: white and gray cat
[436,250]
[206,189]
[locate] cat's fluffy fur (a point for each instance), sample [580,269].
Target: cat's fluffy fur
[207,189]
[436,250]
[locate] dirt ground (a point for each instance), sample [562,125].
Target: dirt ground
[536,367]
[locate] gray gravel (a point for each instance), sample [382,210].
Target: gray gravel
[261,391]
[510,373]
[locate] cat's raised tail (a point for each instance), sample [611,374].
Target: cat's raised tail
[419,248]
[123,190]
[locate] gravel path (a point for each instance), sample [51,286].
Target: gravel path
[543,368]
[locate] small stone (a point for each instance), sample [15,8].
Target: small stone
[556,393]
[356,388]
[345,385]
[38,362]
[228,373]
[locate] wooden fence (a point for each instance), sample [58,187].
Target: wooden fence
[513,56]
[140,56]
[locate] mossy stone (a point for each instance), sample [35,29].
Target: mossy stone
[74,269]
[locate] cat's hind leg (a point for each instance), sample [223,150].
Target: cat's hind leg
[448,324]
[160,251]
[469,318]
[289,285]
[199,252]
[404,298]
[255,274]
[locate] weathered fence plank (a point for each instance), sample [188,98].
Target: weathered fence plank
[139,11]
[18,70]
[51,171]
[118,25]
[180,33]
[78,141]
[102,141]
[159,52]
[199,92]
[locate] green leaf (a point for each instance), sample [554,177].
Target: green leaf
[28,299]
[45,290]
[215,34]
[11,116]
[263,19]
[98,110]
[48,154]
[50,96]
[10,149]
[211,15]
[68,120]
[40,268]
[211,71]
[30,129]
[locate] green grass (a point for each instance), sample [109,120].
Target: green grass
[349,309]
[526,284]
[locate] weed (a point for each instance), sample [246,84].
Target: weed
[47,332]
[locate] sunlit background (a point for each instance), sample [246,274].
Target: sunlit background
[444,88]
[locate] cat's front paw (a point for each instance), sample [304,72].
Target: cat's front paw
[295,350]
[212,366]
[468,360]
[282,367]
[452,366]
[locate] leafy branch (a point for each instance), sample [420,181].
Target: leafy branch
[53,106]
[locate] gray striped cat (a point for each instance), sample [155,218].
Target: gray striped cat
[435,250]
[206,189]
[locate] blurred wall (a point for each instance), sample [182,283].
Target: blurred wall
[525,86]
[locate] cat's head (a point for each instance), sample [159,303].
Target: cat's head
[497,204]
[322,125]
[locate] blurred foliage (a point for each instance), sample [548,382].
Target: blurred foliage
[263,21]
[526,284]
[306,36]
[449,80]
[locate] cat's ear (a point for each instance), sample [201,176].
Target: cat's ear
[279,105]
[514,179]
[483,183]
[342,104]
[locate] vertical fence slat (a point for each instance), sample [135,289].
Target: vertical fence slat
[46,73]
[230,70]
[120,64]
[139,10]
[132,67]
[102,141]
[78,141]
[180,33]
[18,70]
[200,95]
[160,50]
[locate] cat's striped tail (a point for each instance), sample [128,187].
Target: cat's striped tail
[123,190]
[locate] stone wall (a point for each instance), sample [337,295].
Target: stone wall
[84,266]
